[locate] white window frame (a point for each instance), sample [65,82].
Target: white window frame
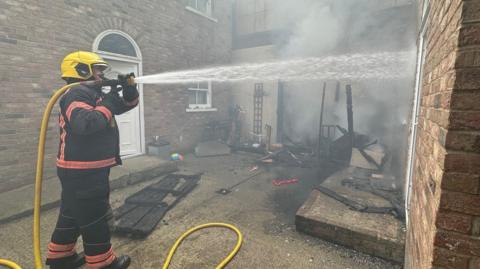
[202,107]
[208,14]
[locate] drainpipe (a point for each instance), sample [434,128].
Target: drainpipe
[416,110]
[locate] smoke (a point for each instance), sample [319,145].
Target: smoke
[336,27]
[316,33]
[320,27]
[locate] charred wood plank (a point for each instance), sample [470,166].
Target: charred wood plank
[184,187]
[147,196]
[350,203]
[148,223]
[342,130]
[128,221]
[167,184]
[122,210]
[369,159]
[143,210]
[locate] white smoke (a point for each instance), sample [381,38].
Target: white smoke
[336,27]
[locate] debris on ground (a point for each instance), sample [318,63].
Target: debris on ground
[372,157]
[223,191]
[281,182]
[249,147]
[378,185]
[143,210]
[288,156]
[228,190]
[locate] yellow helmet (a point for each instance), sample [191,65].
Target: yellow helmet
[80,65]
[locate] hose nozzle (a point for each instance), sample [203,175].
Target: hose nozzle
[128,79]
[122,80]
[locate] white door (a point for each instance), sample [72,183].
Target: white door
[129,122]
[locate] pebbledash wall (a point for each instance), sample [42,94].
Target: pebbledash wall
[36,35]
[444,226]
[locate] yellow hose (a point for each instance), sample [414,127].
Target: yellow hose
[39,174]
[9,264]
[38,198]
[199,227]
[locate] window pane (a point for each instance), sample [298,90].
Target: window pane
[192,3]
[192,100]
[201,97]
[118,44]
[203,5]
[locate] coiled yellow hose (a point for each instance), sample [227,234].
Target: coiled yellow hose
[203,226]
[9,264]
[38,198]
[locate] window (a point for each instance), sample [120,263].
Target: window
[117,44]
[201,7]
[200,96]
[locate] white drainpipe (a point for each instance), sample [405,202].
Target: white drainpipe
[415,112]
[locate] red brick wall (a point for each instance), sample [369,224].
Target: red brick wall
[166,116]
[36,35]
[445,201]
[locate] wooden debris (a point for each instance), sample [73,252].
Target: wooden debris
[143,210]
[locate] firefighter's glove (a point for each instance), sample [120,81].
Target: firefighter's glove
[130,93]
[113,102]
[129,87]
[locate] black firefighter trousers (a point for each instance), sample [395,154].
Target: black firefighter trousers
[85,210]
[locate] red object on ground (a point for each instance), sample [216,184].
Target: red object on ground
[280,182]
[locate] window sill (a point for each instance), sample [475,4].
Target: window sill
[193,10]
[201,109]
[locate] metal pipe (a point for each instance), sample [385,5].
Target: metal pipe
[280,111]
[321,120]
[350,113]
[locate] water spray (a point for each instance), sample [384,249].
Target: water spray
[349,67]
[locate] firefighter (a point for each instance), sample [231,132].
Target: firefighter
[88,148]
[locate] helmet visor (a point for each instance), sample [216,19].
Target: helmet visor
[101,67]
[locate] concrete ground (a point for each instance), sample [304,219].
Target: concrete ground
[264,214]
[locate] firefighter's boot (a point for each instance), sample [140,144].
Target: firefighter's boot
[121,262]
[71,262]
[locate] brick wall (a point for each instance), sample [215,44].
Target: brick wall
[36,35]
[445,201]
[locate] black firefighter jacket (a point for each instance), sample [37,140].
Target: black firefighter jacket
[89,137]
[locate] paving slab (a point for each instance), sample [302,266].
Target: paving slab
[18,203]
[381,235]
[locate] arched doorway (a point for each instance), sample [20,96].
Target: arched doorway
[124,56]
